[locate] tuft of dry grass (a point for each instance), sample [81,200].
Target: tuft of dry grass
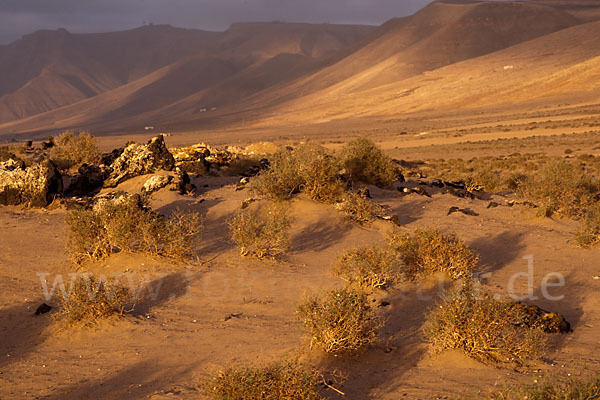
[369,267]
[89,300]
[365,162]
[555,389]
[279,381]
[483,327]
[340,321]
[428,251]
[261,234]
[73,150]
[125,223]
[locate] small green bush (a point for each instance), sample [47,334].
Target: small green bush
[555,389]
[365,162]
[428,251]
[71,150]
[482,327]
[90,299]
[280,381]
[340,321]
[369,267]
[261,234]
[125,223]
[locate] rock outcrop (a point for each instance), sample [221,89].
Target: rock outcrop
[33,186]
[140,159]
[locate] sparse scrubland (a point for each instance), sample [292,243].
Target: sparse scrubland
[263,233]
[126,224]
[284,380]
[568,188]
[348,320]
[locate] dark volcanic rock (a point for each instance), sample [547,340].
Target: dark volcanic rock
[535,317]
[89,179]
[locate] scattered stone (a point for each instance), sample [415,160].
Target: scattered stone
[246,203]
[48,144]
[537,318]
[384,303]
[140,159]
[35,186]
[461,193]
[155,183]
[231,316]
[466,211]
[493,204]
[43,309]
[418,190]
[393,218]
[437,183]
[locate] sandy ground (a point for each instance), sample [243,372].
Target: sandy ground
[226,310]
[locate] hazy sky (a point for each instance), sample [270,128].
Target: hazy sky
[18,17]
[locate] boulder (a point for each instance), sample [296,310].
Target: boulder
[155,183]
[140,159]
[33,186]
[182,182]
[88,180]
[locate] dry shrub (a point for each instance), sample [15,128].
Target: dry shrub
[311,170]
[241,165]
[555,389]
[340,321]
[358,208]
[71,150]
[428,251]
[482,327]
[369,267]
[307,168]
[261,233]
[280,381]
[561,188]
[126,224]
[367,163]
[590,234]
[90,299]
